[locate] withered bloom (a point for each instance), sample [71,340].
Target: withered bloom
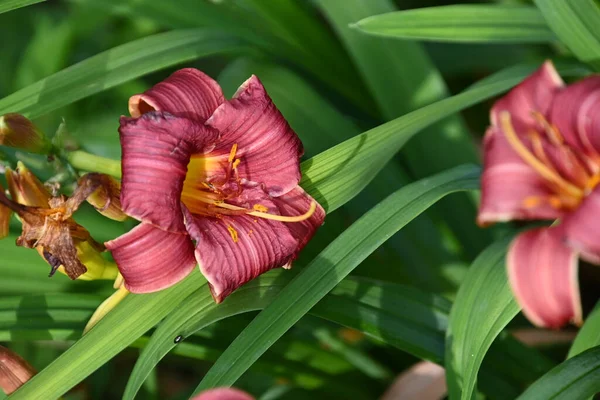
[47,221]
[14,370]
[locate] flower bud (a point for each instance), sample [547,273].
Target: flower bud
[25,188]
[14,371]
[19,132]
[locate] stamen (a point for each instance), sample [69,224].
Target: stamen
[260,207]
[233,233]
[283,218]
[530,159]
[265,215]
[592,183]
[236,163]
[232,152]
[551,131]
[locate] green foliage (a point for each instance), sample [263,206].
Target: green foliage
[391,124]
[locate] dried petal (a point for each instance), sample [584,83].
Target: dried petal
[151,259]
[543,275]
[5,214]
[107,197]
[19,132]
[268,149]
[235,249]
[186,93]
[156,152]
[25,188]
[14,370]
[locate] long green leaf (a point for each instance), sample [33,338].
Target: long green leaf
[589,334]
[333,177]
[462,23]
[410,81]
[331,267]
[9,5]
[338,174]
[577,25]
[402,316]
[484,305]
[134,317]
[115,66]
[576,378]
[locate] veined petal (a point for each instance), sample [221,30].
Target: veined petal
[543,275]
[582,227]
[535,93]
[510,188]
[268,149]
[151,259]
[223,394]
[156,151]
[235,249]
[186,93]
[573,113]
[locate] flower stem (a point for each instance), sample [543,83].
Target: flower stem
[89,162]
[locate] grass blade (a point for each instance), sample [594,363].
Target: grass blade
[331,267]
[462,23]
[116,66]
[484,305]
[577,25]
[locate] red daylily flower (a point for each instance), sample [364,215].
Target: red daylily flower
[221,173]
[542,161]
[224,393]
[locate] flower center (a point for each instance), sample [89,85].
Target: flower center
[211,199]
[567,176]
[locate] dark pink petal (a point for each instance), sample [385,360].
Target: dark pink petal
[509,186]
[535,93]
[582,227]
[223,394]
[186,93]
[543,275]
[156,151]
[575,113]
[268,149]
[235,249]
[151,259]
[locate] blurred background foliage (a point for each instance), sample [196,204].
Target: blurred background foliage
[331,81]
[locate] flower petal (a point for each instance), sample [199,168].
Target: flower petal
[223,394]
[582,227]
[235,249]
[156,152]
[535,93]
[573,112]
[268,149]
[509,186]
[186,93]
[543,276]
[151,259]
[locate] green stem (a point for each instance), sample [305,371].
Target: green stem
[82,160]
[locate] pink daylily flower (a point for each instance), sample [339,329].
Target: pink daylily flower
[223,394]
[542,162]
[213,182]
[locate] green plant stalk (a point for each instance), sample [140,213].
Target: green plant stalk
[85,161]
